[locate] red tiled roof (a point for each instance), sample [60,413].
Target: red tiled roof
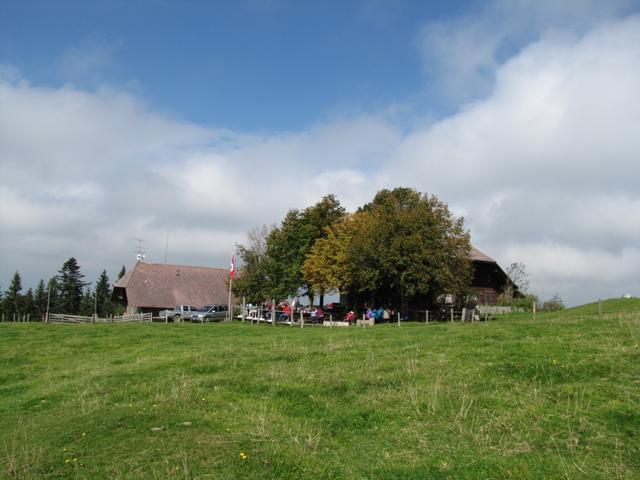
[154,285]
[479,256]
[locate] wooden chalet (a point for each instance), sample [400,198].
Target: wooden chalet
[152,287]
[489,280]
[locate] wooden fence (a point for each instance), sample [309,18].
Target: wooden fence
[61,318]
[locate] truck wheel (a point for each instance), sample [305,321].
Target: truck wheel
[177,319]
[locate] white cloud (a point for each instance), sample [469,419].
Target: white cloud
[86,61]
[462,55]
[544,168]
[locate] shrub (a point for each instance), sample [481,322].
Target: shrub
[554,304]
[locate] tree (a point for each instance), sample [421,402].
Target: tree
[122,272]
[13,298]
[53,296]
[400,245]
[519,281]
[289,245]
[29,304]
[40,300]
[554,304]
[273,259]
[252,280]
[70,287]
[87,303]
[103,295]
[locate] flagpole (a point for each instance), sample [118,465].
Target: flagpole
[232,272]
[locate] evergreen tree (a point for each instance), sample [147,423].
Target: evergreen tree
[40,300]
[29,305]
[13,298]
[103,294]
[122,272]
[87,304]
[53,295]
[71,287]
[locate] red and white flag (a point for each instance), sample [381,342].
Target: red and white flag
[232,268]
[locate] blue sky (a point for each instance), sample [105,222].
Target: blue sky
[254,65]
[203,120]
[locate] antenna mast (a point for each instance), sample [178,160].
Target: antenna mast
[166,248]
[140,252]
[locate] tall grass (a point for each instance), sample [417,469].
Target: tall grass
[554,398]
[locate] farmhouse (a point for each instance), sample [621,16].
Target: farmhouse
[487,283]
[489,280]
[152,287]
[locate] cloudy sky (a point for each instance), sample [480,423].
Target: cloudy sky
[153,119]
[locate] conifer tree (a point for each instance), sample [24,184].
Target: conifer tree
[87,304]
[53,295]
[103,294]
[29,305]
[40,300]
[71,287]
[13,298]
[122,272]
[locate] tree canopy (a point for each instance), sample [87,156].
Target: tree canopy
[401,244]
[70,287]
[273,257]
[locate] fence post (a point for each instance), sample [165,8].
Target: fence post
[599,306]
[398,317]
[363,318]
[451,312]
[301,319]
[244,307]
[534,310]
[464,315]
[273,312]
[426,316]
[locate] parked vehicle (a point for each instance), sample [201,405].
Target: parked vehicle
[180,313]
[211,313]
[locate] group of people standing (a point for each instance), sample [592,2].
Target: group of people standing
[380,314]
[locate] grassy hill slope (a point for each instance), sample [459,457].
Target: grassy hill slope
[514,398]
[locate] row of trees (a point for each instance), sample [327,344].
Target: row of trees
[401,244]
[66,292]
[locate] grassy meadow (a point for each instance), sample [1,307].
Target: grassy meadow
[558,397]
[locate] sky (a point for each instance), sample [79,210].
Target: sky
[188,124]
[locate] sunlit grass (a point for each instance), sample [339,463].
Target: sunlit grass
[554,398]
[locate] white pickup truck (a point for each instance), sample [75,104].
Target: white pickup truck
[180,313]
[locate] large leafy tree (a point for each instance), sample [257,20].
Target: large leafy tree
[273,258]
[71,286]
[400,245]
[289,245]
[252,281]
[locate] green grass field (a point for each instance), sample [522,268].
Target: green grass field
[513,398]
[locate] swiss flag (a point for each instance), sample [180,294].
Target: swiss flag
[232,268]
